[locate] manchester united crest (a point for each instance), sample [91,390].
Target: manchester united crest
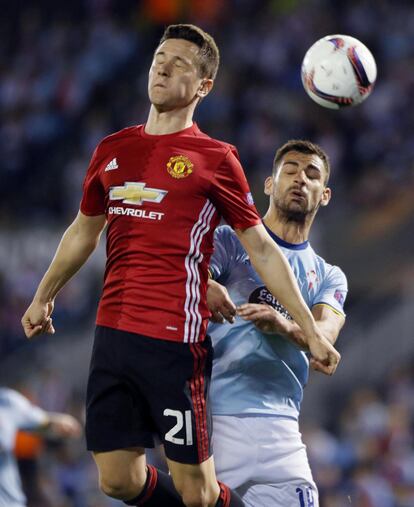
[179,166]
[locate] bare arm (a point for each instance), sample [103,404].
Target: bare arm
[329,321]
[76,245]
[270,321]
[274,270]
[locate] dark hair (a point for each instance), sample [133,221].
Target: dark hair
[305,147]
[209,55]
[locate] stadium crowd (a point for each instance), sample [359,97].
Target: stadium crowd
[367,458]
[72,73]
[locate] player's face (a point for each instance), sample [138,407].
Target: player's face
[298,187]
[174,77]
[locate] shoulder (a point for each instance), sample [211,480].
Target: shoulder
[335,272]
[122,134]
[216,146]
[11,398]
[330,273]
[5,396]
[126,134]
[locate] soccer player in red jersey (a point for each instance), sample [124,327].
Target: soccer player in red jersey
[162,188]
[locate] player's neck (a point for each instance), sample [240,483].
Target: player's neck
[291,232]
[168,122]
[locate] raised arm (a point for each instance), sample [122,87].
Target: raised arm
[78,242]
[274,270]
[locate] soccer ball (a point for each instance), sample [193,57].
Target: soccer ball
[338,71]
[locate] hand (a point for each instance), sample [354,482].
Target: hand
[219,303]
[265,318]
[325,358]
[64,425]
[37,319]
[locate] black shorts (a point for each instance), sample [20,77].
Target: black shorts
[139,387]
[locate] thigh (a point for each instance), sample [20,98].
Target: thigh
[117,414]
[176,381]
[235,451]
[283,476]
[282,453]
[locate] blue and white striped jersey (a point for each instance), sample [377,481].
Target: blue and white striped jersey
[16,413]
[253,372]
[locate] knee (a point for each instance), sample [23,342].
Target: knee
[193,500]
[119,488]
[198,497]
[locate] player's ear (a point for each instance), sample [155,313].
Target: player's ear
[268,185]
[205,87]
[326,196]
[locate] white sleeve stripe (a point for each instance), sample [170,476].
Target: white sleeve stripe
[192,260]
[190,295]
[197,324]
[193,280]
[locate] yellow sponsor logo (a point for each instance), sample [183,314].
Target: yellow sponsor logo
[179,166]
[136,193]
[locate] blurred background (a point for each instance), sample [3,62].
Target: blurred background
[73,72]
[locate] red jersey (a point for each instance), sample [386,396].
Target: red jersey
[163,196]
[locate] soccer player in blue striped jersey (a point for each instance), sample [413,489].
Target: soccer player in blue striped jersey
[261,363]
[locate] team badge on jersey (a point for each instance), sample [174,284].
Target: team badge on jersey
[249,198]
[179,166]
[313,279]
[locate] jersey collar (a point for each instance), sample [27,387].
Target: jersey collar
[285,244]
[193,129]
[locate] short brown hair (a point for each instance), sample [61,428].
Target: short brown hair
[305,147]
[209,55]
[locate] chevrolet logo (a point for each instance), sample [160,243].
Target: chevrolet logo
[136,193]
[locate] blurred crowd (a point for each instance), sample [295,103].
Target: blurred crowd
[76,71]
[366,458]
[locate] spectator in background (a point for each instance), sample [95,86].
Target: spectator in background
[17,413]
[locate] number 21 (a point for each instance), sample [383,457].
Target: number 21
[170,435]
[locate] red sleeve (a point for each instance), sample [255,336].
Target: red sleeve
[231,194]
[93,198]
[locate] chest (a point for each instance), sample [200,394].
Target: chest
[150,174]
[246,285]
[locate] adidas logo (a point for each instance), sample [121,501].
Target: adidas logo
[112,165]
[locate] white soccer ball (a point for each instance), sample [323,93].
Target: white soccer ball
[338,71]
